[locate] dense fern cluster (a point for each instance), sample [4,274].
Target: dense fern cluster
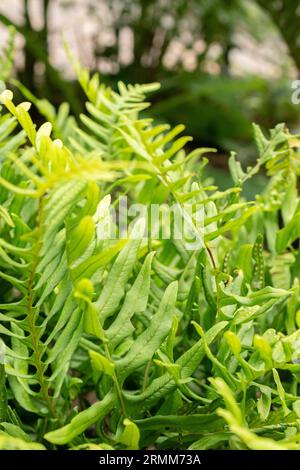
[127,343]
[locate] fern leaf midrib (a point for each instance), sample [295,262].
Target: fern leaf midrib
[37,354]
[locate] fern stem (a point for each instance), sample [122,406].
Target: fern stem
[3,394]
[31,317]
[146,376]
[116,382]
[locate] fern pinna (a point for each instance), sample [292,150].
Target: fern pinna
[125,342]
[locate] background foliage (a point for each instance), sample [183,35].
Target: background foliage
[208,55]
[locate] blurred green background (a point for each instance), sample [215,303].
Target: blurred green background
[222,63]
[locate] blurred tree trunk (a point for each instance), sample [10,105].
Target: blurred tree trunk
[287,20]
[143,30]
[27,75]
